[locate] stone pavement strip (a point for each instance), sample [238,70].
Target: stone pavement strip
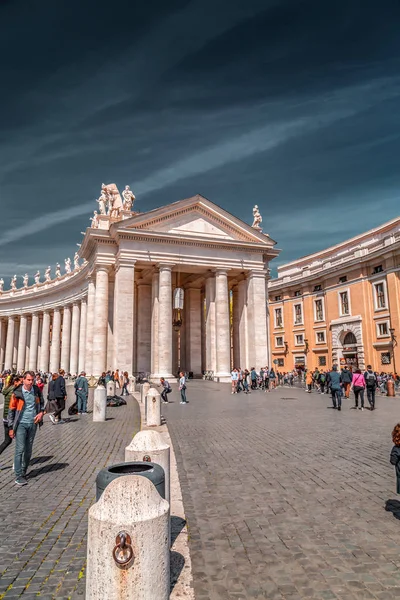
[43,525]
[285,498]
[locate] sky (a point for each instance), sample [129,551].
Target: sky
[289,104]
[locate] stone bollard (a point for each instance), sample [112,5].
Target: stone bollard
[149,446]
[153,408]
[144,390]
[132,385]
[128,550]
[111,388]
[100,403]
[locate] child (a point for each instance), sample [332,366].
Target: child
[395,454]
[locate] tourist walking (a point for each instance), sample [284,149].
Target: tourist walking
[358,387]
[166,390]
[25,414]
[182,387]
[56,396]
[7,392]
[309,381]
[335,380]
[395,454]
[234,381]
[371,383]
[125,383]
[347,378]
[272,378]
[82,393]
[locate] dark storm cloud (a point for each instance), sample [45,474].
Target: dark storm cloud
[291,105]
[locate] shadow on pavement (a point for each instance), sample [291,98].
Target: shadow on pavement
[177,524]
[40,459]
[393,506]
[177,563]
[55,467]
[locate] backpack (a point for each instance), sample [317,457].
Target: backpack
[322,378]
[370,379]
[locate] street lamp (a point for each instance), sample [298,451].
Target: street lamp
[394,343]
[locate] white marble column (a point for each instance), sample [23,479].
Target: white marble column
[193,329]
[74,356]
[55,350]
[257,319]
[82,336]
[9,343]
[34,343]
[3,337]
[211,364]
[222,326]
[100,321]
[15,348]
[45,344]
[165,322]
[154,322]
[143,337]
[66,339]
[89,327]
[124,315]
[22,344]
[243,337]
[237,361]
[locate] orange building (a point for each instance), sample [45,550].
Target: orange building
[340,305]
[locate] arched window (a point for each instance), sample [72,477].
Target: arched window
[349,339]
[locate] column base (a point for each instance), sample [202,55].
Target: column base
[165,375]
[222,377]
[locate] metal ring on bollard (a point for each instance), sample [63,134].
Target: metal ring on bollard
[123,551]
[146,458]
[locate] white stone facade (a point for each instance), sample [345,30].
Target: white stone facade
[116,310]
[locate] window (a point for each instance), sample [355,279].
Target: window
[278,298]
[279,341]
[350,339]
[380,296]
[281,362]
[344,303]
[278,317]
[343,279]
[385,358]
[299,339]
[317,288]
[322,361]
[298,314]
[319,310]
[377,269]
[297,293]
[382,329]
[320,337]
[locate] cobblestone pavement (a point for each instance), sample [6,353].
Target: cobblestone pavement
[284,498]
[43,525]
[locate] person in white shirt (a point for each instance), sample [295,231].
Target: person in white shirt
[182,387]
[234,379]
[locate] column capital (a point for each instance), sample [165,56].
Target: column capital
[165,266]
[261,274]
[221,271]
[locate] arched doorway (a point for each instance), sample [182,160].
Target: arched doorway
[349,352]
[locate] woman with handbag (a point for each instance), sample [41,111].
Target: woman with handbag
[358,387]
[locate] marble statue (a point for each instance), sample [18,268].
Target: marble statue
[129,198]
[76,261]
[103,200]
[47,274]
[1,285]
[37,277]
[58,270]
[14,282]
[257,218]
[26,280]
[95,220]
[67,262]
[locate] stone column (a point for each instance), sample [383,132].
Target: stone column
[66,339]
[154,322]
[9,343]
[55,350]
[211,364]
[22,343]
[34,343]
[242,308]
[143,338]
[257,319]
[45,344]
[15,345]
[89,327]
[222,326]
[237,360]
[124,315]
[165,322]
[100,321]
[193,329]
[74,356]
[3,337]
[82,336]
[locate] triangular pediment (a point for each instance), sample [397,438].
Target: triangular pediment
[197,218]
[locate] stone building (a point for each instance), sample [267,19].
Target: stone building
[340,305]
[184,285]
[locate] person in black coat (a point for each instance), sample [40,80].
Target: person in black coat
[395,454]
[58,394]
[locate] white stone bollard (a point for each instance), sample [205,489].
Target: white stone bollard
[153,408]
[149,446]
[100,403]
[132,385]
[131,506]
[144,390]
[111,388]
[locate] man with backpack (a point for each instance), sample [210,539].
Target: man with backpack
[335,381]
[371,383]
[347,378]
[322,381]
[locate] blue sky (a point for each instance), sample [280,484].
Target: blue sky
[291,105]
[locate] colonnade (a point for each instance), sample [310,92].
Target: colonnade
[124,319]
